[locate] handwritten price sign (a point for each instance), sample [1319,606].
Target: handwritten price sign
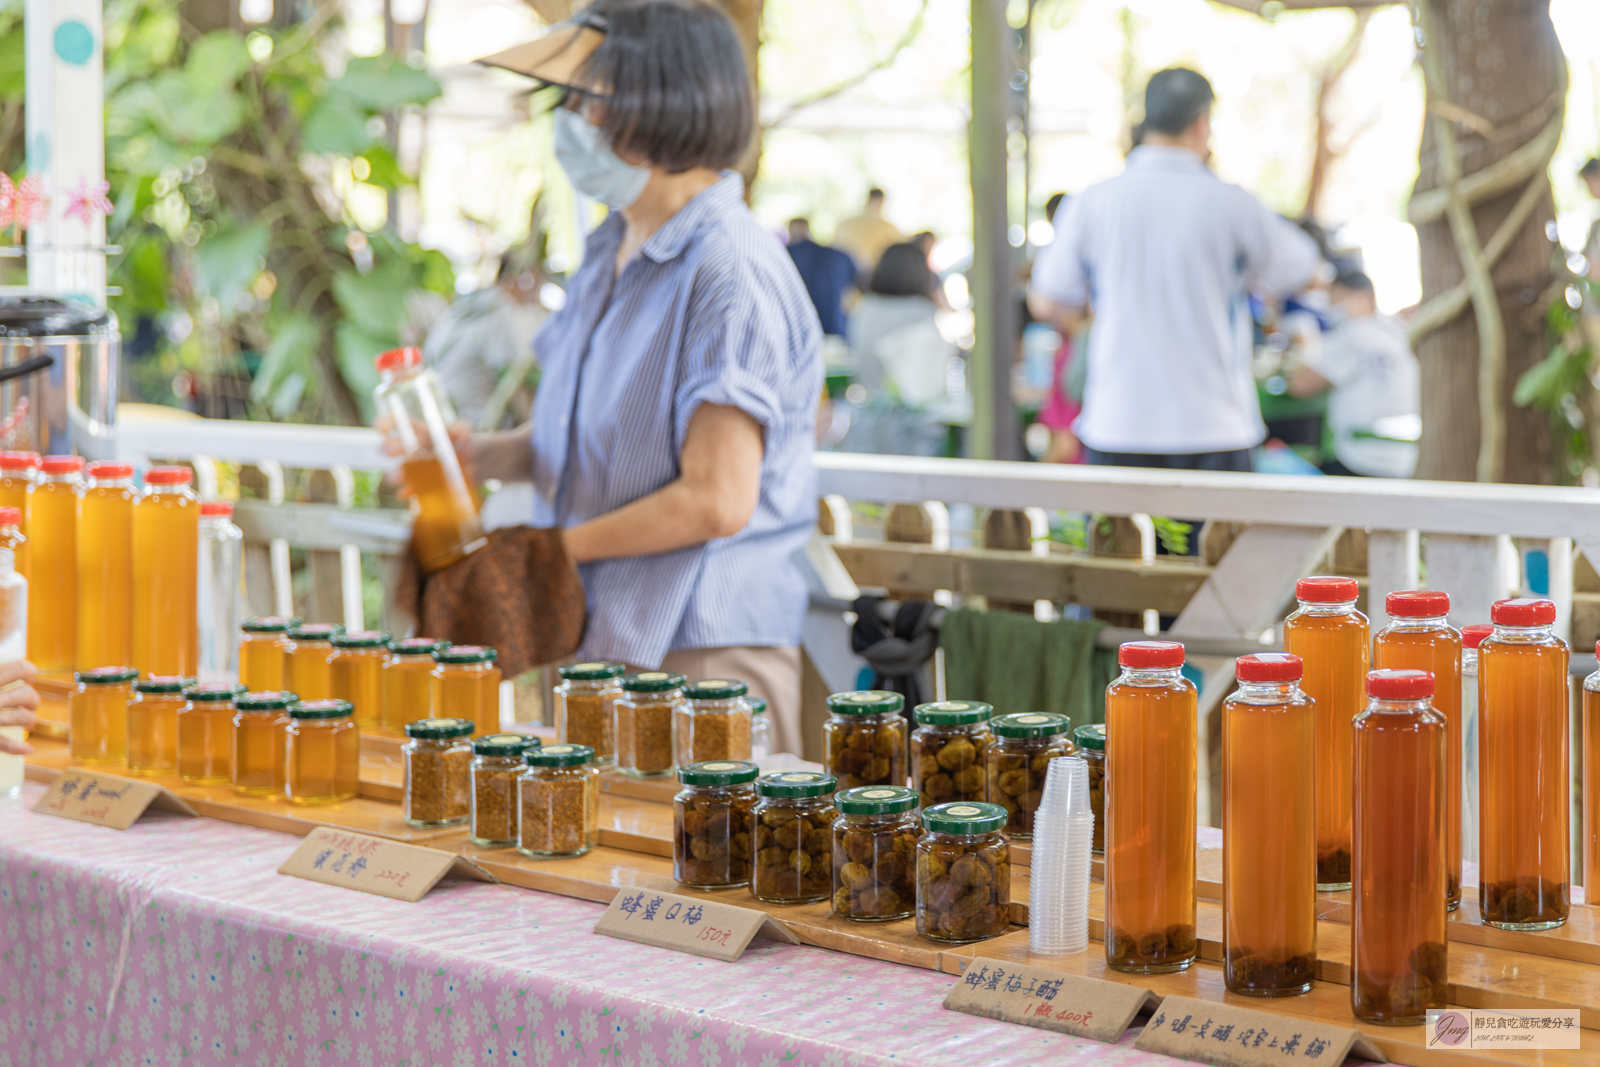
[373,865]
[1050,1000]
[105,799]
[699,926]
[1229,1036]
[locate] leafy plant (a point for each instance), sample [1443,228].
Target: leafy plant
[1561,383]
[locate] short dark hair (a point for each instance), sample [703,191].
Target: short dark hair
[902,271]
[1354,280]
[1590,169]
[874,193]
[677,88]
[1174,98]
[1053,205]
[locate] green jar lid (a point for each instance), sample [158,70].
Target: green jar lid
[361,639]
[953,713]
[106,675]
[758,705]
[163,683]
[593,672]
[417,646]
[1032,724]
[716,689]
[320,709]
[651,682]
[265,700]
[797,784]
[465,654]
[558,756]
[718,772]
[865,702]
[504,744]
[440,728]
[875,800]
[269,624]
[213,691]
[964,818]
[1091,736]
[315,631]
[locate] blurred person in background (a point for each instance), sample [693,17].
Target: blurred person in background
[1170,254]
[866,235]
[1367,363]
[484,338]
[826,272]
[1064,402]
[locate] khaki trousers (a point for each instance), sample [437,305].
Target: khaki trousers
[773,673]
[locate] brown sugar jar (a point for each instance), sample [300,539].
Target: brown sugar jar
[438,772]
[947,751]
[497,763]
[1018,760]
[644,723]
[711,824]
[585,708]
[712,722]
[864,739]
[560,797]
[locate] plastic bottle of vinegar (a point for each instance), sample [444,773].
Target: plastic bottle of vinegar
[1419,637]
[105,567]
[1331,638]
[1150,811]
[1398,944]
[1269,830]
[166,563]
[445,526]
[18,471]
[1523,868]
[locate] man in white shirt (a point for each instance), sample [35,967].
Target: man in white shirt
[1367,362]
[1166,255]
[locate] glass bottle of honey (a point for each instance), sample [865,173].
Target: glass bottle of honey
[355,673]
[1269,830]
[323,753]
[263,648]
[153,724]
[408,682]
[1523,870]
[53,518]
[18,472]
[416,417]
[205,733]
[98,715]
[305,663]
[1150,811]
[466,685]
[1419,637]
[260,728]
[1398,949]
[105,567]
[1331,638]
[166,564]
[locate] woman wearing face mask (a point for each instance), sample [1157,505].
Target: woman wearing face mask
[671,435]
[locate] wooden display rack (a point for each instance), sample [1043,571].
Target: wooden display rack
[1489,968]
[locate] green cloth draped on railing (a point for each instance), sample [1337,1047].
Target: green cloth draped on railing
[1018,664]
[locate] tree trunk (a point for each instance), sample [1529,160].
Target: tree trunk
[1503,76]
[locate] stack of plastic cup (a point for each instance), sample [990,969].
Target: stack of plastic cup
[1063,830]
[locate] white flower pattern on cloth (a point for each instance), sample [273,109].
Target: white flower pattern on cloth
[229,962]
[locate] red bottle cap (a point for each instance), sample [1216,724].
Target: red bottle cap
[168,476]
[1326,590]
[1417,604]
[216,507]
[103,469]
[18,461]
[398,358]
[1150,654]
[1400,685]
[10,516]
[1472,636]
[1525,611]
[61,464]
[1269,667]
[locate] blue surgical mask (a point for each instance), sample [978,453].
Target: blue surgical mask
[593,168]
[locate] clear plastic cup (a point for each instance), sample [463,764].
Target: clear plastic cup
[1058,909]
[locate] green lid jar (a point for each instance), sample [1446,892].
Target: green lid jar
[793,819]
[644,723]
[948,749]
[585,707]
[323,752]
[497,762]
[711,844]
[438,772]
[1092,747]
[269,624]
[559,797]
[712,722]
[874,842]
[963,873]
[1017,762]
[864,739]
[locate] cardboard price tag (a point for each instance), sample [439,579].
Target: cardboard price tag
[106,799]
[373,865]
[1050,1000]
[1229,1036]
[689,924]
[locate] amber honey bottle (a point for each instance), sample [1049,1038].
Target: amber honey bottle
[305,661]
[1150,811]
[205,733]
[1398,941]
[98,715]
[408,682]
[466,685]
[322,754]
[166,567]
[18,472]
[153,724]
[263,649]
[1420,638]
[1269,830]
[53,519]
[260,730]
[1330,636]
[1523,869]
[355,673]
[105,567]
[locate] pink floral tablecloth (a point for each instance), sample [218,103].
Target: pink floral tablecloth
[177,942]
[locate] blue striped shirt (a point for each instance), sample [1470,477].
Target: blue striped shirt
[710,310]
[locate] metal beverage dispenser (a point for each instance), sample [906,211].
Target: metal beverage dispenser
[59,369]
